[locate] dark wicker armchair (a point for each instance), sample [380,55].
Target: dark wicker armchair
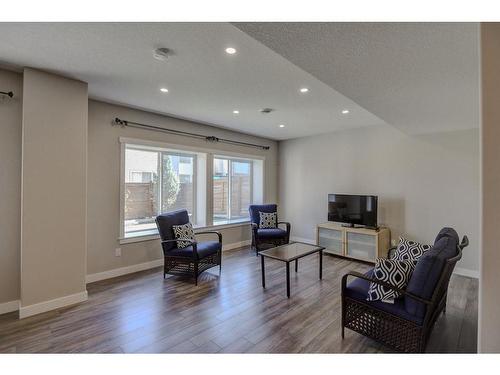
[192,260]
[271,236]
[406,325]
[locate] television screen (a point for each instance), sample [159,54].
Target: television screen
[353,209]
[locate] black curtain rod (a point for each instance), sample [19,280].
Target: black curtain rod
[10,94]
[133,124]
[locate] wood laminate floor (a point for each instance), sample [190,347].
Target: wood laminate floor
[142,313]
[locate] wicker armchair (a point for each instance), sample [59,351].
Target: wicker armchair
[406,325]
[271,236]
[192,260]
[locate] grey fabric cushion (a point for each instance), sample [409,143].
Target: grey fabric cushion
[184,231]
[271,233]
[254,210]
[394,272]
[203,249]
[268,220]
[164,223]
[358,288]
[428,270]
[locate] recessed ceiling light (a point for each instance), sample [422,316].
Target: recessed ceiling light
[230,50]
[236,111]
[282,126]
[345,111]
[164,89]
[304,89]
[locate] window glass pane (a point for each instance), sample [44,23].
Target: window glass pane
[221,191]
[240,189]
[141,190]
[177,186]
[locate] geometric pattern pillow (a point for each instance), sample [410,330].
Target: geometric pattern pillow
[394,272]
[410,250]
[183,231]
[268,220]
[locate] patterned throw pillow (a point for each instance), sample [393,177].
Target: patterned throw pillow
[183,231]
[268,220]
[394,272]
[410,250]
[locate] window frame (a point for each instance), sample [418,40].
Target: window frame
[209,154]
[161,151]
[230,160]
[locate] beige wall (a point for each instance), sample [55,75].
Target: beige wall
[423,182]
[104,180]
[489,285]
[10,185]
[53,226]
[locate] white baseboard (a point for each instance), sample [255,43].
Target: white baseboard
[236,245]
[38,308]
[123,271]
[466,272]
[7,307]
[147,265]
[302,239]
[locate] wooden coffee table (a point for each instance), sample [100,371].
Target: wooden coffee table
[288,253]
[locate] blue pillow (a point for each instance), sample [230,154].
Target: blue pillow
[427,273]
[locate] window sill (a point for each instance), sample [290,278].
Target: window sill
[153,234]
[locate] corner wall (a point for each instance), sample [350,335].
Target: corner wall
[423,182]
[53,197]
[489,283]
[10,189]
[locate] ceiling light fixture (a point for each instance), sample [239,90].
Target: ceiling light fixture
[236,112]
[304,89]
[345,111]
[164,89]
[282,126]
[161,54]
[230,50]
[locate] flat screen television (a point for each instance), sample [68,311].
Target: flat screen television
[353,209]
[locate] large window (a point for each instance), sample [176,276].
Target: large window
[155,182]
[158,178]
[232,190]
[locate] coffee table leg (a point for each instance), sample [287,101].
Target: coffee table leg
[288,279]
[296,265]
[320,264]
[262,268]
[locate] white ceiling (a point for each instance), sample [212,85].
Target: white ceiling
[419,77]
[205,84]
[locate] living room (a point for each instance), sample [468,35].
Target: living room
[248,187]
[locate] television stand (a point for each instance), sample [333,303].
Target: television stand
[356,243]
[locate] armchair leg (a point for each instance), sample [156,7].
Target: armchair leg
[196,273]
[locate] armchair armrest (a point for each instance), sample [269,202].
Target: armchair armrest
[387,285]
[286,223]
[212,232]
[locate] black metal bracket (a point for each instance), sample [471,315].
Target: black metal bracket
[10,94]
